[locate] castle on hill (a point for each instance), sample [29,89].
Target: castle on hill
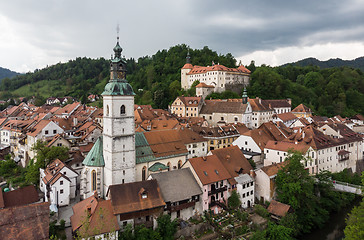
[214,78]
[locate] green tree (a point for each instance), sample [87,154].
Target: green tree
[166,228]
[44,154]
[296,188]
[234,200]
[354,229]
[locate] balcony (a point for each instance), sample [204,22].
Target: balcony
[181,206]
[218,190]
[343,155]
[147,224]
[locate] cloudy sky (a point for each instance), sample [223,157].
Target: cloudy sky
[37,33]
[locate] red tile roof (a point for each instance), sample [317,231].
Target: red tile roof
[38,128]
[273,169]
[286,146]
[165,143]
[19,197]
[101,218]
[233,160]
[25,222]
[302,109]
[288,116]
[199,69]
[278,208]
[209,169]
[127,198]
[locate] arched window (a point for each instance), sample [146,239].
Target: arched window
[144,173]
[122,109]
[179,164]
[169,166]
[107,110]
[93,174]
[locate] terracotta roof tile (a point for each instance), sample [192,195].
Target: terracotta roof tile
[209,169]
[302,109]
[25,222]
[101,218]
[127,198]
[286,146]
[20,196]
[233,160]
[288,116]
[278,208]
[273,169]
[217,67]
[220,106]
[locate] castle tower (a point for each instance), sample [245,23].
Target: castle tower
[119,126]
[184,70]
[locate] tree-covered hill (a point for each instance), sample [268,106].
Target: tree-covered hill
[356,63]
[6,73]
[328,91]
[156,80]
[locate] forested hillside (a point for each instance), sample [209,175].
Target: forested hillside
[156,81]
[356,63]
[327,92]
[6,73]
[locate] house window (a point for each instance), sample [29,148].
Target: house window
[94,174]
[46,132]
[54,131]
[107,110]
[61,183]
[59,144]
[61,191]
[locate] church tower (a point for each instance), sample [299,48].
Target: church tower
[184,70]
[119,125]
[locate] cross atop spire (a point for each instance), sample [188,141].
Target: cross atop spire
[117,32]
[117,48]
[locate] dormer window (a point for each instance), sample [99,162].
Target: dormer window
[143,193]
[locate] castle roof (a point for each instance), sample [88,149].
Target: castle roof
[218,67]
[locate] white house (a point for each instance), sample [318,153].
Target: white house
[265,183]
[43,130]
[58,182]
[246,188]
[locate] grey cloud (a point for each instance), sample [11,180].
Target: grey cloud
[87,28]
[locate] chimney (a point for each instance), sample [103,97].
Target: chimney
[289,101]
[96,195]
[204,158]
[252,173]
[228,157]
[89,210]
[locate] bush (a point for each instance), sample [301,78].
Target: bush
[242,216]
[260,210]
[241,230]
